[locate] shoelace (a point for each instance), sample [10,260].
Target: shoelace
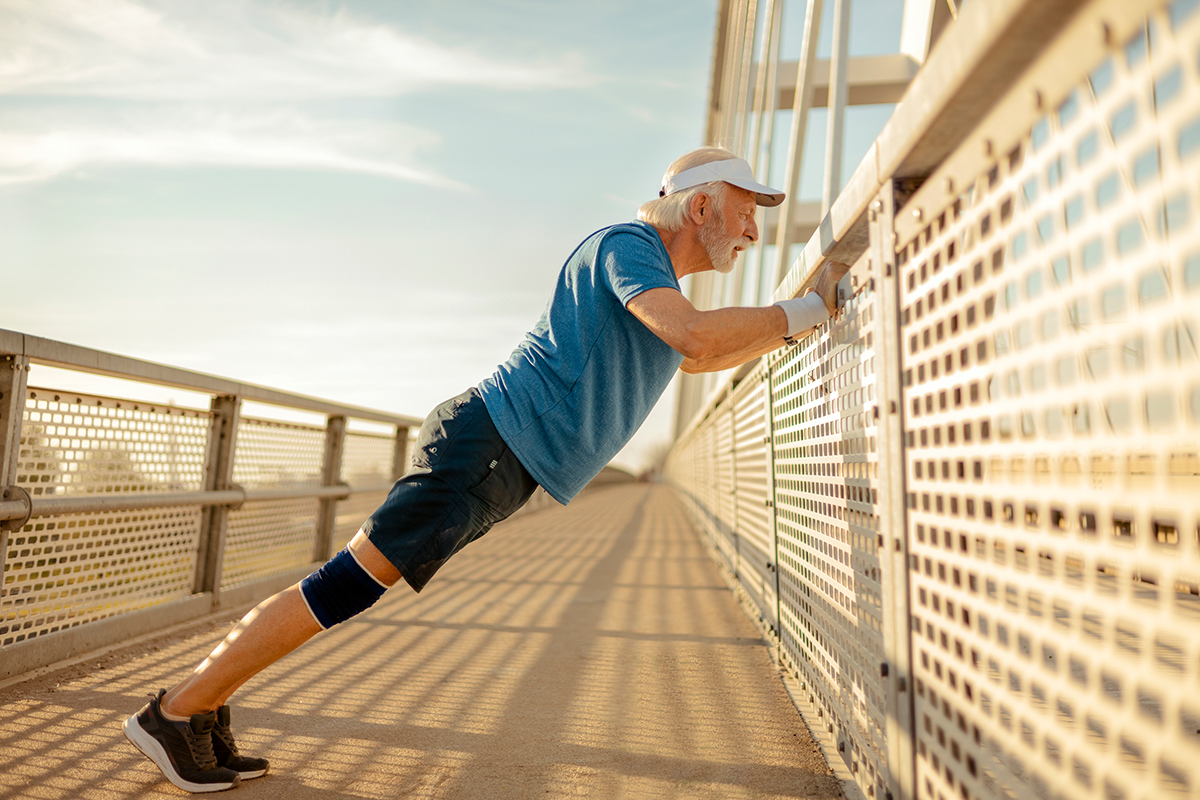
[202,750]
[199,745]
[226,738]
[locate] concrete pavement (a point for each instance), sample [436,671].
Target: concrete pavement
[583,652]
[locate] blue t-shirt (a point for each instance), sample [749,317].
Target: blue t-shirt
[583,380]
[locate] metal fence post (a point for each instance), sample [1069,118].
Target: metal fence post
[331,475]
[13,369]
[222,442]
[769,400]
[893,537]
[400,454]
[733,484]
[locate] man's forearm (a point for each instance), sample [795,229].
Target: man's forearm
[717,363]
[723,333]
[720,338]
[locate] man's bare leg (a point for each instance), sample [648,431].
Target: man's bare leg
[274,628]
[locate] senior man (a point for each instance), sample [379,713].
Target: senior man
[571,395]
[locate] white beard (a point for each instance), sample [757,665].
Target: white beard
[719,248]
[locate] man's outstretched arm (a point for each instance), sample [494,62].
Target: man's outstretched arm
[711,341]
[694,366]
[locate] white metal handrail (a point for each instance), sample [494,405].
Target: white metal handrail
[48,352]
[238,496]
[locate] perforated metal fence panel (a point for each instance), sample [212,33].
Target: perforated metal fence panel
[366,462]
[826,466]
[804,472]
[754,531]
[74,444]
[121,516]
[271,453]
[267,537]
[367,459]
[726,500]
[986,471]
[706,491]
[62,570]
[352,513]
[1053,396]
[65,570]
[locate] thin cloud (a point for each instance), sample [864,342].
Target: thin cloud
[223,51]
[31,149]
[225,83]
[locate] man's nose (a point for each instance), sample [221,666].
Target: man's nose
[752,230]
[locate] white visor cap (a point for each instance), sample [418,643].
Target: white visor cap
[735,171]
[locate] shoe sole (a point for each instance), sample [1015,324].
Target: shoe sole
[258,773]
[151,749]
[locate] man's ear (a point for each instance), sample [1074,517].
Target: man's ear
[698,206]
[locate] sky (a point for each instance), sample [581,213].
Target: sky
[365,201]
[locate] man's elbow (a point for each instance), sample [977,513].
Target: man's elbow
[697,345]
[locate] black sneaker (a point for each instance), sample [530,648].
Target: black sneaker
[227,753]
[182,750]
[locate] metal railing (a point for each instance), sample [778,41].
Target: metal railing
[966,511]
[122,516]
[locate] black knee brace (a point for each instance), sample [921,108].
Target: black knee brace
[340,589]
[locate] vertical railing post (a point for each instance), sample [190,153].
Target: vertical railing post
[893,540]
[802,103]
[400,453]
[331,475]
[734,533]
[836,106]
[745,75]
[773,501]
[218,475]
[13,369]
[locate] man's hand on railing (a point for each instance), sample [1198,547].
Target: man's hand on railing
[817,304]
[826,283]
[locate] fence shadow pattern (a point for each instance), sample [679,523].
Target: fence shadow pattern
[589,651]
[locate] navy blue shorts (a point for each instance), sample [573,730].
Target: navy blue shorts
[464,481]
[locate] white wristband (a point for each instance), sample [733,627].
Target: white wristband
[804,312]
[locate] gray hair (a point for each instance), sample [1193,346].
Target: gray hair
[670,212]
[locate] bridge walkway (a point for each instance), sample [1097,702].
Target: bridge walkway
[589,651]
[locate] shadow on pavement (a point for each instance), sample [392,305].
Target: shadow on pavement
[589,651]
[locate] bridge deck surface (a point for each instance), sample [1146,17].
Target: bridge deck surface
[589,651]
